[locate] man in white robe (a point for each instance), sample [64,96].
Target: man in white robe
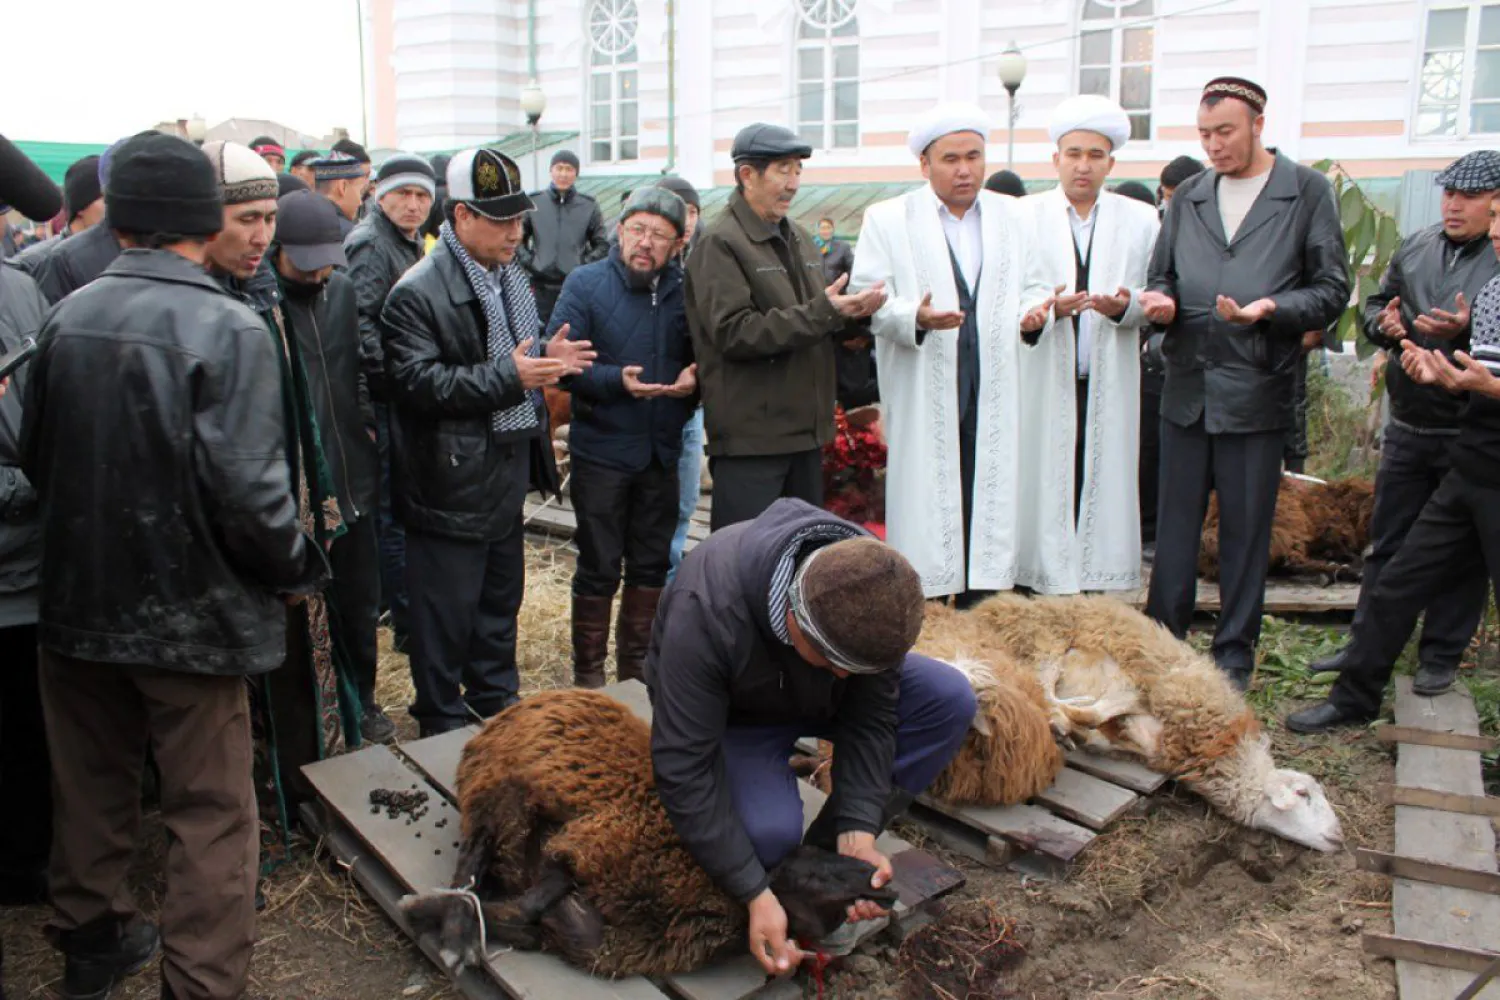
[1080,382]
[962,281]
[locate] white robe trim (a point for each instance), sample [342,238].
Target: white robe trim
[1104,552]
[902,243]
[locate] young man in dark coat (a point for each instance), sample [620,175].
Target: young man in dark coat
[1425,299]
[171,548]
[1250,257]
[465,369]
[83,202]
[565,231]
[795,623]
[626,435]
[318,307]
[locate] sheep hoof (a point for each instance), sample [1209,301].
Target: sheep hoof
[452,960]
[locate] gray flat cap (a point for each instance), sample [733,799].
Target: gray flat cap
[657,201]
[768,142]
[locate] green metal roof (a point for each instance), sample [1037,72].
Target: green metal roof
[56,157]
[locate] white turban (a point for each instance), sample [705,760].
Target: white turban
[1091,113]
[945,119]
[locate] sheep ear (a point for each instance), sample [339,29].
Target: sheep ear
[1283,796]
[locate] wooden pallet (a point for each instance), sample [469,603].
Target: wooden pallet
[1445,904]
[390,857]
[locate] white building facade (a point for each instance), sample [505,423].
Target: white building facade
[1383,86]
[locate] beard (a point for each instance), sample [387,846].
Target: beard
[641,281]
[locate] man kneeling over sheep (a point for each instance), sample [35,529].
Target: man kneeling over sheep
[794,624]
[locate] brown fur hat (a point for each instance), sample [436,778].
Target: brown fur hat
[860,602]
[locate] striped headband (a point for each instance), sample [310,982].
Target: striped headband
[1239,89]
[817,636]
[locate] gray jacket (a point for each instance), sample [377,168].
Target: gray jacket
[1290,248]
[21,309]
[564,232]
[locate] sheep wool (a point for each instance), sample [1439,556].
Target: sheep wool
[1318,527]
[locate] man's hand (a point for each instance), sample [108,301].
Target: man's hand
[1442,325]
[576,354]
[1037,317]
[536,372]
[768,940]
[1232,312]
[862,846]
[859,304]
[1111,306]
[630,375]
[1311,341]
[1419,364]
[1390,320]
[686,384]
[1069,305]
[1475,377]
[1159,307]
[929,318]
[4,385]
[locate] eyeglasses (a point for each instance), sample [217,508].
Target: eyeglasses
[642,232]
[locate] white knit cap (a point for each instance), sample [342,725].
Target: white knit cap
[1091,113]
[241,172]
[945,119]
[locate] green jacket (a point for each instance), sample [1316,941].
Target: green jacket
[763,333]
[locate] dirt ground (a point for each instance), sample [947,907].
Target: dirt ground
[1173,903]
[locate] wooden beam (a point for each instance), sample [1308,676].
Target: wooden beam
[1434,738]
[1427,798]
[1086,799]
[1125,773]
[1481,981]
[1446,956]
[1426,871]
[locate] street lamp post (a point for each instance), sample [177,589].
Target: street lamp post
[1012,73]
[533,103]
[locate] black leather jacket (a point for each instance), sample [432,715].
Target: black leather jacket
[326,324]
[1424,281]
[1290,248]
[169,528]
[450,475]
[379,254]
[75,262]
[21,309]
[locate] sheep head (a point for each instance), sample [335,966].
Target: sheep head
[816,887]
[1293,806]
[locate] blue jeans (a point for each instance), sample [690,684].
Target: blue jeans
[689,473]
[392,534]
[932,718]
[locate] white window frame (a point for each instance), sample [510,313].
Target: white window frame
[1470,53]
[827,44]
[612,48]
[1122,21]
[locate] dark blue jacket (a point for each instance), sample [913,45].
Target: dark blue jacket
[627,327]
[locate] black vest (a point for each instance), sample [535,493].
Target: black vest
[968,344]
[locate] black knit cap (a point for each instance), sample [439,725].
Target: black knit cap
[565,156]
[81,186]
[163,184]
[682,188]
[859,602]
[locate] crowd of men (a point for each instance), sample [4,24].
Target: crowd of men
[276,399]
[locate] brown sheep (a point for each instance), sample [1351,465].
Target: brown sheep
[1318,528]
[1115,679]
[571,851]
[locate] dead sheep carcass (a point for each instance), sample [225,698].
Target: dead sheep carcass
[570,851]
[1113,679]
[1319,527]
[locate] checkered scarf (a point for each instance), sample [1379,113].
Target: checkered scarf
[509,318]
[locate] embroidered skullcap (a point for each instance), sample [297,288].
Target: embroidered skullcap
[859,603]
[1091,113]
[1472,172]
[1240,89]
[945,119]
[242,174]
[337,167]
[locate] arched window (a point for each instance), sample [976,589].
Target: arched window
[828,73]
[1459,90]
[614,82]
[1114,57]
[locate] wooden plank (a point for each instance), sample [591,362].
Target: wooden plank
[345,783]
[1124,772]
[1447,956]
[1086,799]
[380,886]
[1426,871]
[1434,738]
[1451,916]
[1427,798]
[438,756]
[633,695]
[1027,826]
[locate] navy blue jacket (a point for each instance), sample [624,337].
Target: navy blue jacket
[627,327]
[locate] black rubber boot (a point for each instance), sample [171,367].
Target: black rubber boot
[98,957]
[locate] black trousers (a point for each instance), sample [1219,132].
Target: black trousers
[1150,462]
[1411,468]
[464,597]
[25,768]
[1457,535]
[745,485]
[1245,471]
[392,536]
[354,602]
[623,517]
[546,299]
